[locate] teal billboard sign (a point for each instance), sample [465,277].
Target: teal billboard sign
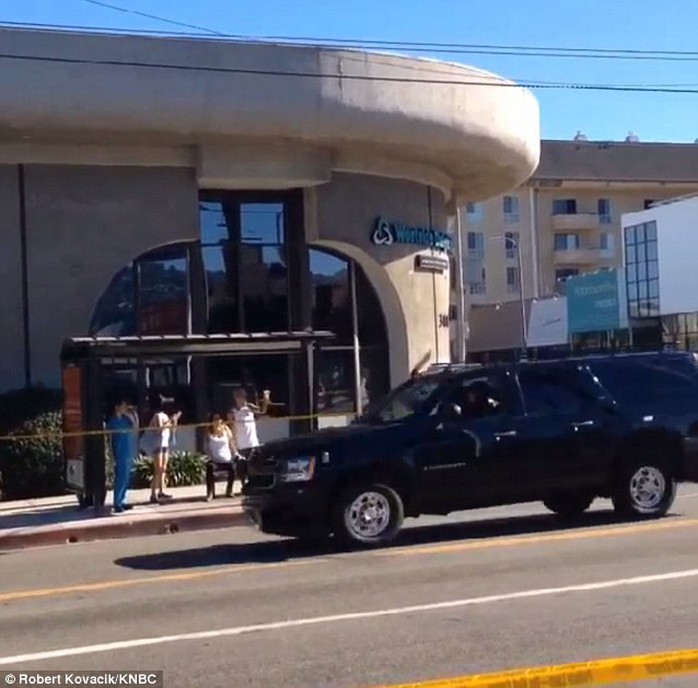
[386,233]
[596,302]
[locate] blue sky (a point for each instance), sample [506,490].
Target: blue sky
[609,24]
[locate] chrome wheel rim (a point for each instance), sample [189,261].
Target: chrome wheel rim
[368,515]
[647,488]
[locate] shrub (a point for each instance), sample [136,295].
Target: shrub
[32,464]
[183,468]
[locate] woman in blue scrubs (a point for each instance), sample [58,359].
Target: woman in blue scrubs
[123,441]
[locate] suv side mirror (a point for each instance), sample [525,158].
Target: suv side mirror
[452,412]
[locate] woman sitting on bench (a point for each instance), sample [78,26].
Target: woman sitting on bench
[221,456]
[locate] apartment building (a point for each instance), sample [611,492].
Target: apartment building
[566,219]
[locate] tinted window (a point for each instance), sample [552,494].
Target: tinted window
[482,395]
[643,381]
[545,392]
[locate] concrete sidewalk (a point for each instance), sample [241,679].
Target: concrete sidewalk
[57,520]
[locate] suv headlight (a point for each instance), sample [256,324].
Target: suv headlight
[299,469]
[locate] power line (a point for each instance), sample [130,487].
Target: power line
[374,44]
[351,77]
[138,13]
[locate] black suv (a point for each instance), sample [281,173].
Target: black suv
[465,437]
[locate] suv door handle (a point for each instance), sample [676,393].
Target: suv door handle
[583,424]
[508,433]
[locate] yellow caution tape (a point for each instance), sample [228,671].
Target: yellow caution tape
[601,672]
[14,437]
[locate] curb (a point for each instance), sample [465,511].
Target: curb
[119,527]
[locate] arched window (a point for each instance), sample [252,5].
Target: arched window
[151,295]
[356,363]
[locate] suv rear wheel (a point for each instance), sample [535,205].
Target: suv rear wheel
[644,489]
[568,504]
[368,515]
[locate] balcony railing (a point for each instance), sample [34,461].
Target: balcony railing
[575,222]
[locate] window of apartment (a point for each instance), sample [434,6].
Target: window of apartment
[564,206]
[642,270]
[604,211]
[607,242]
[513,281]
[476,245]
[511,244]
[563,274]
[474,212]
[480,286]
[510,205]
[566,242]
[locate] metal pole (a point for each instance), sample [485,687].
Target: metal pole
[524,324]
[460,286]
[358,408]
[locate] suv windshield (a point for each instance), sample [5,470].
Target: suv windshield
[410,399]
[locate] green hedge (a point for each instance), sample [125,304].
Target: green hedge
[33,466]
[183,469]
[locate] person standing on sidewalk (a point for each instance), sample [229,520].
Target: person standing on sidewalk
[243,422]
[159,437]
[123,442]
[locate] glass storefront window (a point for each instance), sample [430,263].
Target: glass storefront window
[212,223]
[162,292]
[331,296]
[335,381]
[115,313]
[630,254]
[223,306]
[262,224]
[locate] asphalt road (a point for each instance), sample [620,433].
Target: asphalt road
[488,591]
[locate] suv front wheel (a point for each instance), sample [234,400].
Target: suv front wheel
[644,489]
[368,515]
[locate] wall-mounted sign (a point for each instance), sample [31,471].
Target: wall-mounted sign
[430,263]
[386,233]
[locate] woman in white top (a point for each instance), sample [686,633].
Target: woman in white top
[162,427]
[243,422]
[221,454]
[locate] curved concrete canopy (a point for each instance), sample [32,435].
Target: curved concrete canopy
[473,134]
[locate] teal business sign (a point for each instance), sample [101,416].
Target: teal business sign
[596,302]
[386,233]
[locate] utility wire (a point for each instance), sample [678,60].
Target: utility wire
[125,10]
[412,46]
[494,83]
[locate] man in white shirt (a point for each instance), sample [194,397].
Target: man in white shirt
[243,421]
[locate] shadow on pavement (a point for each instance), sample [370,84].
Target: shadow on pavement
[274,551]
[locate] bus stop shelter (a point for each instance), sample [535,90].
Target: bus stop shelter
[95,367]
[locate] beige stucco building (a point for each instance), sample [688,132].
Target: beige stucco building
[566,218]
[153,185]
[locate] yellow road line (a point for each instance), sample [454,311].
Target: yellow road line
[490,543]
[130,582]
[436,549]
[601,672]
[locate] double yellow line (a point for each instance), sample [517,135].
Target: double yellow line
[602,672]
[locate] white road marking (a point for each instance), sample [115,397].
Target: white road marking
[352,616]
